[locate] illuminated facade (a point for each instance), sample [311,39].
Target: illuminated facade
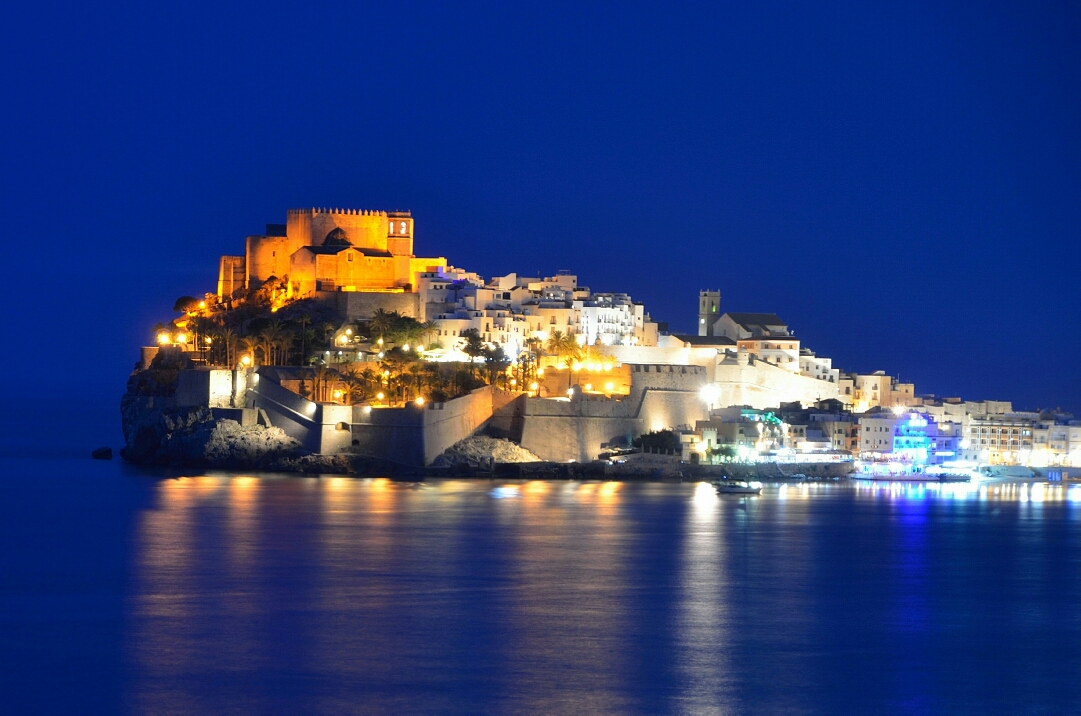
[910,437]
[330,250]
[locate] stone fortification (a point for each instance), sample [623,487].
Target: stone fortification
[416,435]
[743,380]
[662,396]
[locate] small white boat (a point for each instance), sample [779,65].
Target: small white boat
[737,487]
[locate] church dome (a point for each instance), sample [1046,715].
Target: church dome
[337,237]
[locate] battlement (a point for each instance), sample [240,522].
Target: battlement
[348,212]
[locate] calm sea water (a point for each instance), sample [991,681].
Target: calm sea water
[122,591]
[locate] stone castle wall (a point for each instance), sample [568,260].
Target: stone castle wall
[662,396]
[417,435]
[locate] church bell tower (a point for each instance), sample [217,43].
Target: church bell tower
[709,306]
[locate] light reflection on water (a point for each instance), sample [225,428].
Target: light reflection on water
[335,594]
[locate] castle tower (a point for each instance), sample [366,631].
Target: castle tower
[709,306]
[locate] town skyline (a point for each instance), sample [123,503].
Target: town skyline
[913,210]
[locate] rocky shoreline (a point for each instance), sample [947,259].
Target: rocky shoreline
[158,433]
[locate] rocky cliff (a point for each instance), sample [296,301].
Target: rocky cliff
[156,432]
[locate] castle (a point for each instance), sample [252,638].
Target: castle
[322,252]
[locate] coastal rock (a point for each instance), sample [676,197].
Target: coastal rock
[483,451]
[156,432]
[104,453]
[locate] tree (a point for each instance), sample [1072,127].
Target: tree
[250,343]
[185,304]
[658,441]
[354,392]
[725,452]
[304,320]
[429,329]
[496,361]
[381,322]
[474,346]
[228,339]
[565,349]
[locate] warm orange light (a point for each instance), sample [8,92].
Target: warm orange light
[540,371]
[379,396]
[514,381]
[181,337]
[202,304]
[337,394]
[589,386]
[419,400]
[533,386]
[609,387]
[209,340]
[246,360]
[163,338]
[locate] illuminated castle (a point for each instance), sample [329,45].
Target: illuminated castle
[330,250]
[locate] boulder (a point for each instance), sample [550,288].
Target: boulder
[481,451]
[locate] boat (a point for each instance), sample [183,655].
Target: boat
[737,487]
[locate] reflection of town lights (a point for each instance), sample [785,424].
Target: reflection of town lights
[419,400]
[163,338]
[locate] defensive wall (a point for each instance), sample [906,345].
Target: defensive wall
[742,380]
[416,435]
[363,304]
[662,396]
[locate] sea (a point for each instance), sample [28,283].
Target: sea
[124,590]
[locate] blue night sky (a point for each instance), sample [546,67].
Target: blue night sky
[900,182]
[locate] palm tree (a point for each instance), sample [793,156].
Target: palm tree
[228,342]
[381,322]
[428,329]
[319,384]
[565,349]
[415,373]
[250,343]
[304,320]
[354,392]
